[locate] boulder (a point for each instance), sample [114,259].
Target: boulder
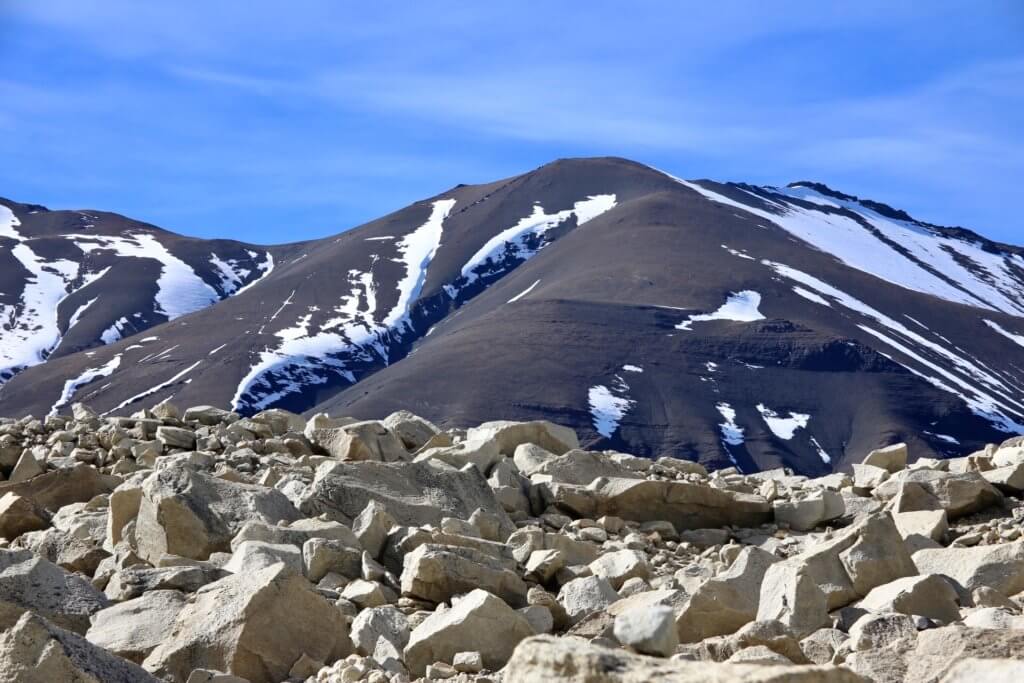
[251,556]
[255,625]
[132,582]
[939,650]
[650,631]
[573,660]
[957,494]
[581,467]
[414,494]
[479,621]
[134,628]
[481,454]
[26,468]
[929,596]
[803,514]
[438,572]
[413,430]
[191,514]
[19,515]
[999,566]
[685,505]
[375,623]
[891,458]
[988,670]
[371,527]
[208,415]
[323,555]
[509,435]
[583,596]
[621,565]
[34,650]
[30,582]
[1008,479]
[57,488]
[930,524]
[176,437]
[369,440]
[723,604]
[790,595]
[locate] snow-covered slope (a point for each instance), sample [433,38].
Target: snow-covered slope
[96,278]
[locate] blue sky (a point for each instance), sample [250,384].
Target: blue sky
[269,121]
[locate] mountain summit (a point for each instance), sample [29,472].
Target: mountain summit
[725,323]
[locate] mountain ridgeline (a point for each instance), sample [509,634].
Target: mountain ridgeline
[725,323]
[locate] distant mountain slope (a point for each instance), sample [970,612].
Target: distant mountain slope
[721,322]
[72,280]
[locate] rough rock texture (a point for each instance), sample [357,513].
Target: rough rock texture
[237,624]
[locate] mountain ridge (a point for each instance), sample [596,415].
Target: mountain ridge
[611,259]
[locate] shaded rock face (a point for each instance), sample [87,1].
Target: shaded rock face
[263,557]
[718,322]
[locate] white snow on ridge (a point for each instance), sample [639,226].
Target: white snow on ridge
[739,307]
[114,332]
[302,354]
[632,368]
[152,390]
[267,267]
[783,427]
[77,315]
[515,241]
[29,329]
[608,405]
[179,290]
[732,433]
[523,293]
[825,457]
[1015,338]
[231,274]
[71,386]
[985,393]
[995,287]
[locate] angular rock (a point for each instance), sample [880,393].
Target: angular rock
[436,573]
[928,596]
[252,556]
[891,458]
[586,595]
[939,649]
[134,628]
[957,494]
[375,623]
[30,582]
[176,437]
[369,440]
[650,631]
[683,504]
[790,595]
[806,513]
[1000,566]
[191,514]
[509,435]
[19,515]
[479,621]
[255,625]
[33,650]
[723,604]
[414,494]
[372,526]
[546,658]
[620,566]
[57,488]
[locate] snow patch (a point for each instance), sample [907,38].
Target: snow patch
[1015,338]
[523,293]
[71,386]
[732,434]
[739,307]
[115,331]
[783,427]
[608,405]
[632,368]
[523,240]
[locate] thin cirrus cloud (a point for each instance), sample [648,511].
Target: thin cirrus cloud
[323,119]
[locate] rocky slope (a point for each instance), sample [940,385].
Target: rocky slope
[202,546]
[726,324]
[74,280]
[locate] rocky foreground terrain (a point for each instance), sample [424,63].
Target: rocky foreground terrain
[200,546]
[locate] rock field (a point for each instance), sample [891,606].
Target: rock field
[202,547]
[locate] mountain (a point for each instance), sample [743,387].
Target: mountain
[725,323]
[74,280]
